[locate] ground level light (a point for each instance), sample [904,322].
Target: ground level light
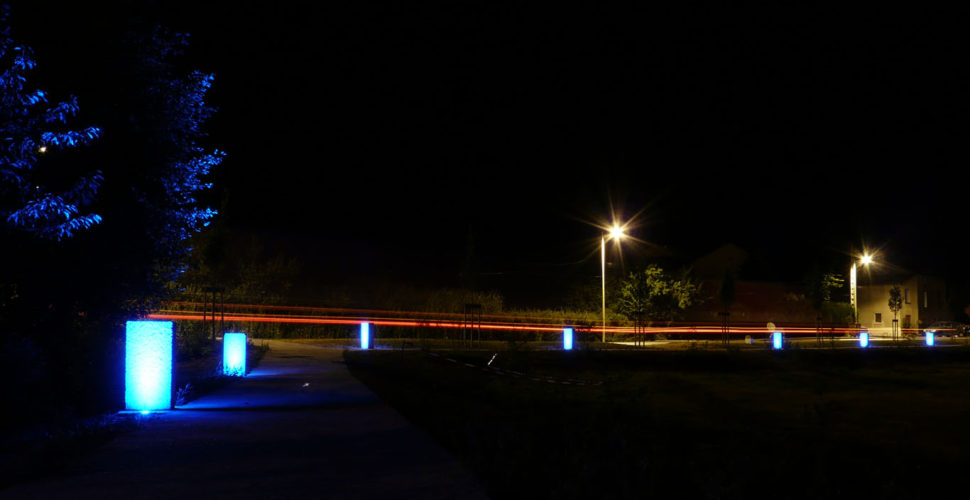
[149,349]
[364,335]
[234,354]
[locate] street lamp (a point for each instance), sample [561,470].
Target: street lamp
[865,260]
[616,233]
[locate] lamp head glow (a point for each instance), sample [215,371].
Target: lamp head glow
[234,354]
[148,365]
[42,149]
[930,338]
[616,232]
[776,340]
[866,260]
[863,339]
[567,339]
[364,335]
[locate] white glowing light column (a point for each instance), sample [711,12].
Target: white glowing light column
[930,338]
[234,354]
[567,339]
[863,339]
[866,259]
[148,365]
[616,232]
[603,275]
[852,293]
[364,335]
[776,340]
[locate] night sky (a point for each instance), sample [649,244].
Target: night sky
[376,139]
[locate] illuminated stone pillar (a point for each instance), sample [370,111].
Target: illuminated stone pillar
[149,347]
[234,354]
[365,335]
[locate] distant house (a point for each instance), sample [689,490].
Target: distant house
[924,303]
[755,303]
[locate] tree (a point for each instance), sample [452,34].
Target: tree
[820,287]
[895,304]
[171,113]
[43,201]
[654,294]
[243,266]
[72,299]
[155,168]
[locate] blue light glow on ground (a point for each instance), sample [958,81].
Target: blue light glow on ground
[148,365]
[234,354]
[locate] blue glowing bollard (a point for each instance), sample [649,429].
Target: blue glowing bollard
[148,365]
[930,340]
[234,354]
[863,339]
[567,339]
[776,340]
[365,335]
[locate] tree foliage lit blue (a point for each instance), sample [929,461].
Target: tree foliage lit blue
[29,127]
[177,111]
[148,173]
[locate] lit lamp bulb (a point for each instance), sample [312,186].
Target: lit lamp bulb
[616,232]
[42,149]
[866,260]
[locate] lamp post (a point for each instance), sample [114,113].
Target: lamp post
[616,232]
[853,283]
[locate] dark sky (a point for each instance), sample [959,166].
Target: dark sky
[375,137]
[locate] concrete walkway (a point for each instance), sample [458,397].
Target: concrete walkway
[299,426]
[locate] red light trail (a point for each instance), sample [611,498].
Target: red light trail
[497,322]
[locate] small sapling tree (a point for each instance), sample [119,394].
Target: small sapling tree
[895,304]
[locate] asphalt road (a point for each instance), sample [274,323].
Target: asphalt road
[299,426]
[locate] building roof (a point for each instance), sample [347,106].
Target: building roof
[712,266]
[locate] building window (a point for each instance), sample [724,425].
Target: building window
[908,321]
[926,299]
[906,295]
[878,317]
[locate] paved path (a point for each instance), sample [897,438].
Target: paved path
[299,426]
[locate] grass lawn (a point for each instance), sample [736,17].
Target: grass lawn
[692,423]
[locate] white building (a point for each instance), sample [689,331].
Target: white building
[924,303]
